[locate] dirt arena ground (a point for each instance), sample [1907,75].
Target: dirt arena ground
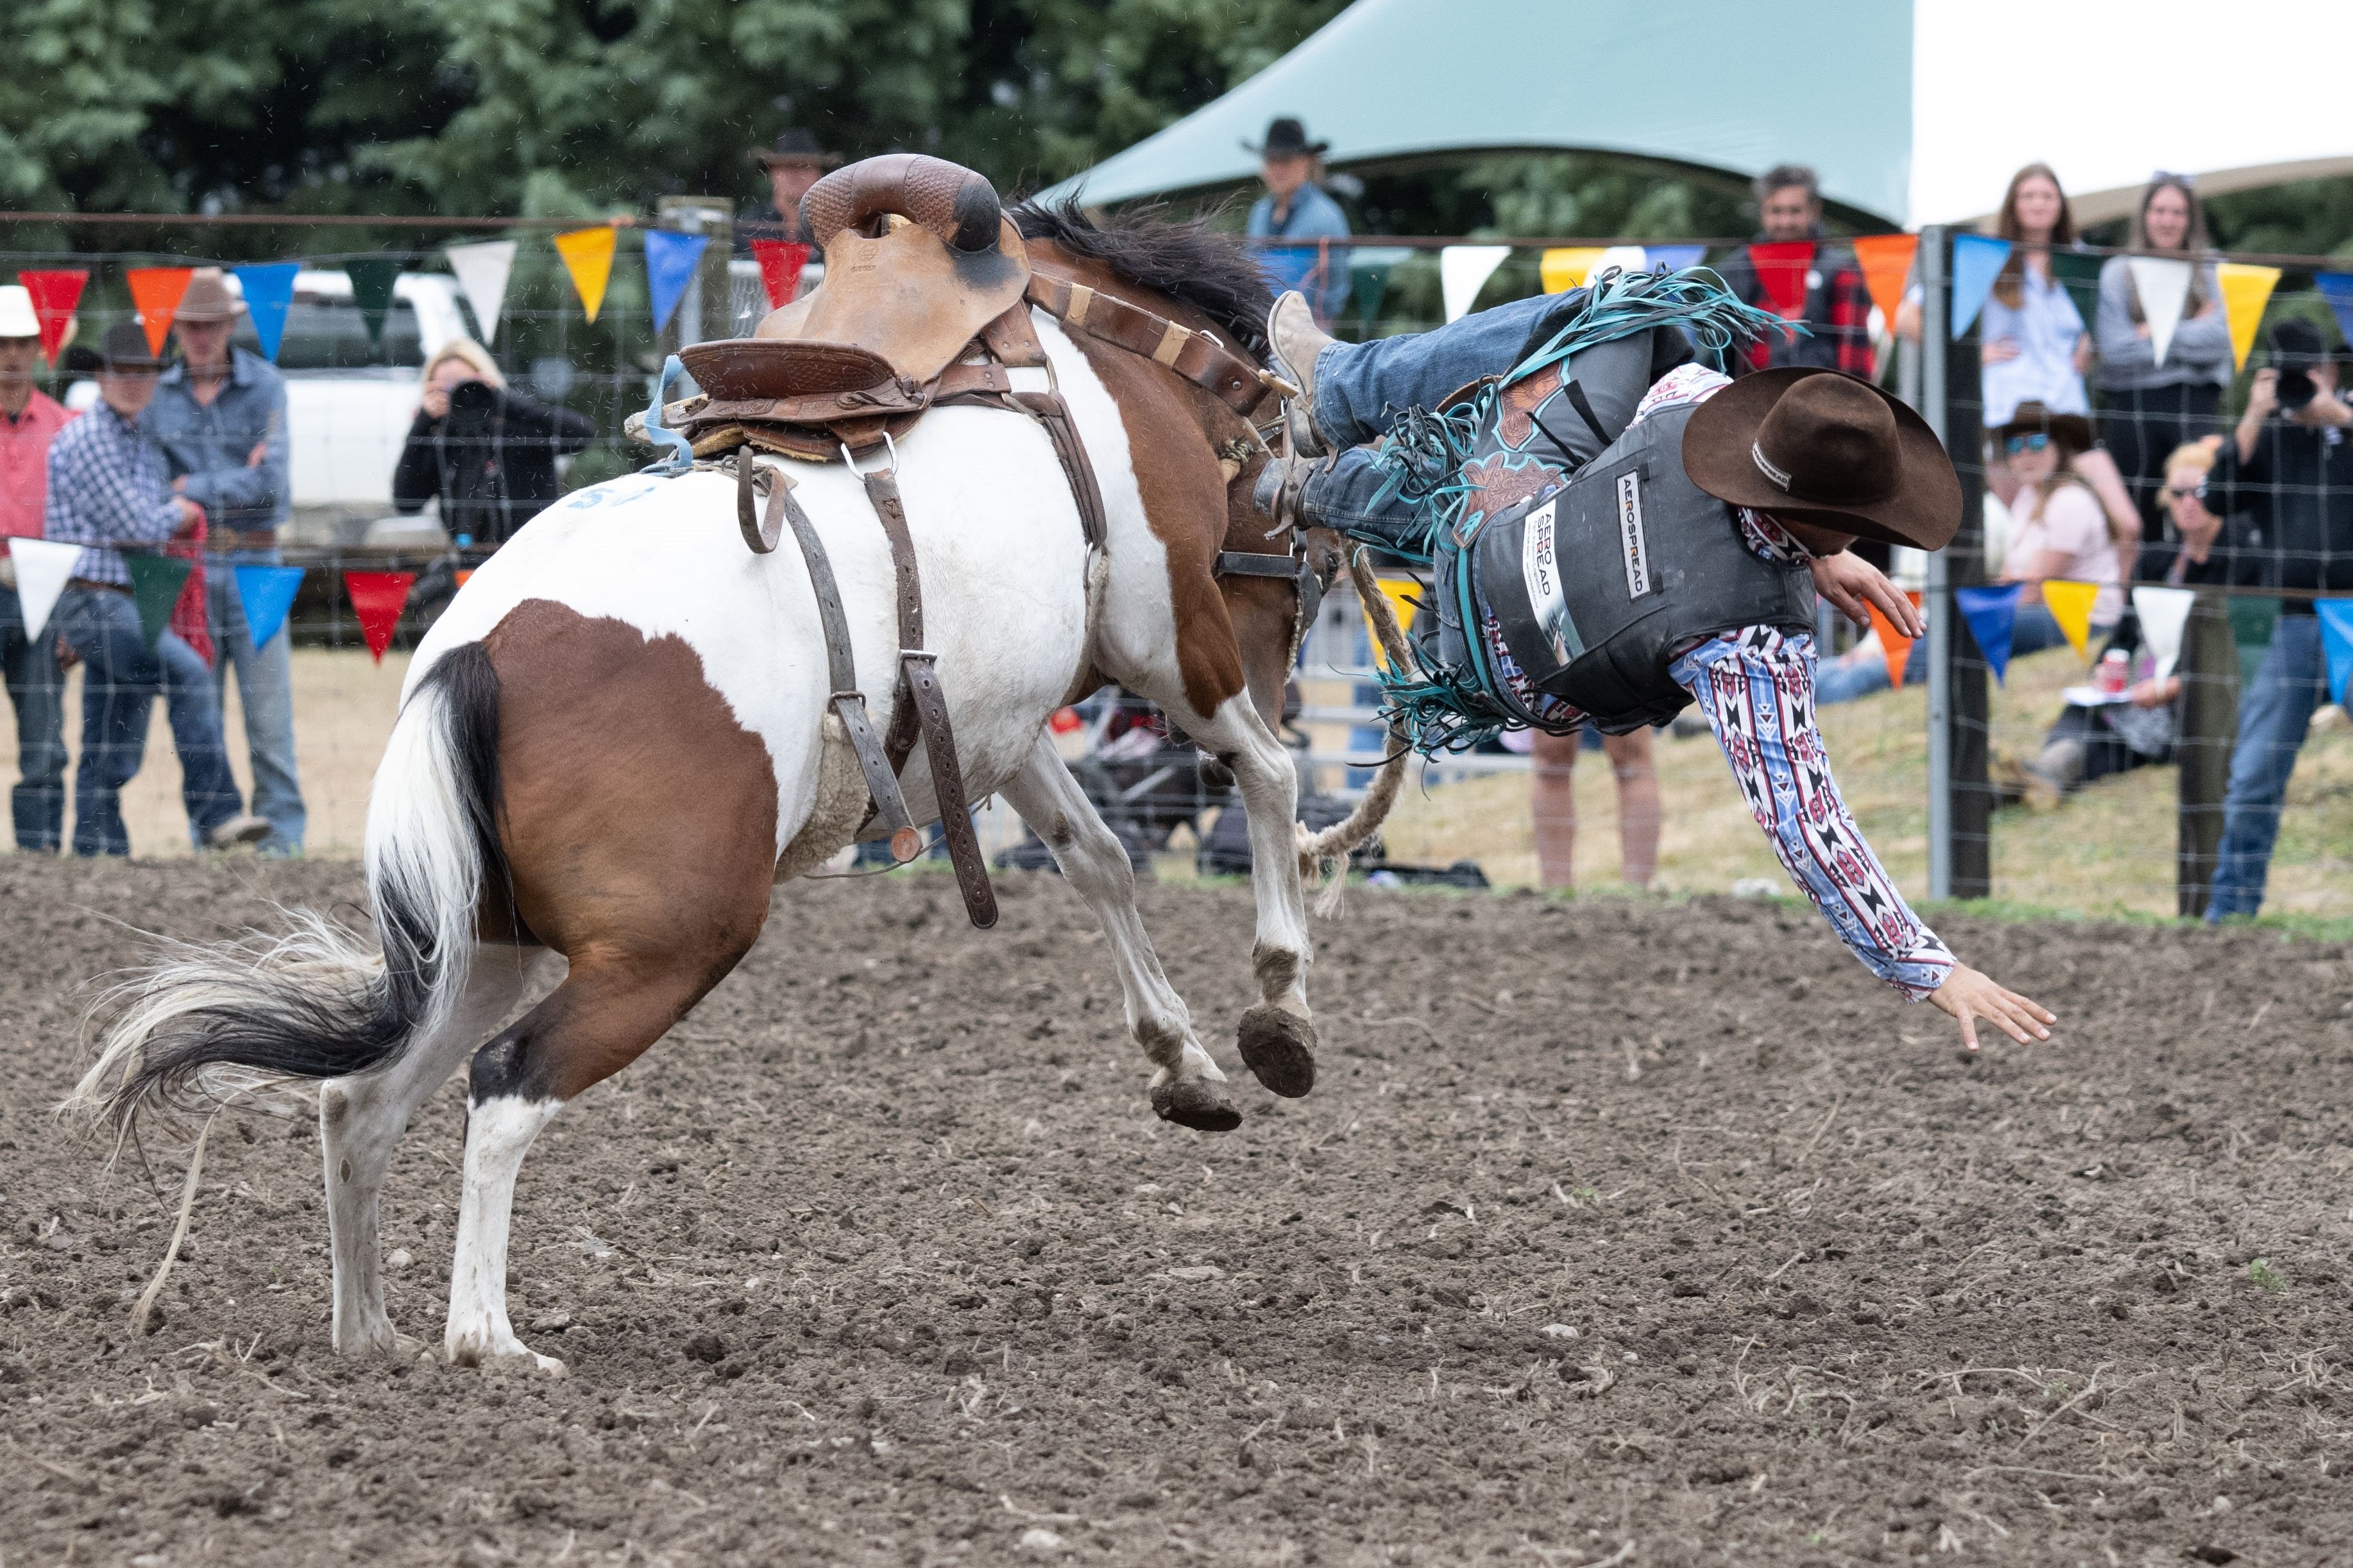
[1616,1232]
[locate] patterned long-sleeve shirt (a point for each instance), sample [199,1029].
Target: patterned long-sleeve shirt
[1756,686]
[107,489]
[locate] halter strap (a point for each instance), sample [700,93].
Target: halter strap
[1195,355]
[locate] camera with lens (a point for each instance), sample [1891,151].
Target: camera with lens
[2296,388]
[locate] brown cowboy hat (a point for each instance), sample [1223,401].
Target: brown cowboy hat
[2032,418]
[1818,446]
[208,300]
[125,352]
[795,148]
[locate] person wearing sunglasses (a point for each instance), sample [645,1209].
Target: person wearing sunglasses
[2059,529]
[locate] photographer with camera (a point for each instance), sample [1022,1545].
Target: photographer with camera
[2289,469]
[485,452]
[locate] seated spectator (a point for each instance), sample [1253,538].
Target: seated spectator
[29,664]
[488,454]
[1836,310]
[2090,744]
[107,492]
[1553,799]
[1295,207]
[2152,408]
[2060,529]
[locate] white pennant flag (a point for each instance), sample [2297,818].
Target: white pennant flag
[1463,270]
[2164,285]
[2162,613]
[481,271]
[42,567]
[1624,257]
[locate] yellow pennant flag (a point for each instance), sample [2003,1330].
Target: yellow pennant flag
[2071,607]
[588,256]
[1400,591]
[2246,290]
[1563,266]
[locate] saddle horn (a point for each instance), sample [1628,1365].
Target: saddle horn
[955,202]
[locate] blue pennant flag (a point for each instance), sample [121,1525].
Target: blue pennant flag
[1992,613]
[1672,258]
[2336,637]
[268,294]
[2337,288]
[266,593]
[670,260]
[1976,262]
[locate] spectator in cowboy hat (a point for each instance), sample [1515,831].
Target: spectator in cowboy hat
[107,492]
[1295,209]
[219,415]
[792,163]
[29,664]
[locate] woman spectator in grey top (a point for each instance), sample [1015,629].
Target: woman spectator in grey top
[2152,407]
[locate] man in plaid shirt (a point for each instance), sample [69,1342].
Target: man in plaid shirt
[1829,298]
[107,492]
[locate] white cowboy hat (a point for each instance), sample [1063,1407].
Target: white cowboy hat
[17,319]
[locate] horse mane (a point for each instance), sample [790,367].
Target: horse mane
[1183,259]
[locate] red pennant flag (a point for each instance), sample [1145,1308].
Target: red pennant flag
[780,269]
[1781,270]
[156,291]
[378,597]
[55,294]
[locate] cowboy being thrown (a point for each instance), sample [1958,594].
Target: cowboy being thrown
[1616,532]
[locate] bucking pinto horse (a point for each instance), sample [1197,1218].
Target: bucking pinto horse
[612,746]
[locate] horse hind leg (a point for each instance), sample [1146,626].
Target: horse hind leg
[1188,1088]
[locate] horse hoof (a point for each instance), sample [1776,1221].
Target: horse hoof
[1280,1048]
[1200,1103]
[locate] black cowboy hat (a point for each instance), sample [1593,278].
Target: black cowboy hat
[2031,417]
[1819,446]
[1286,138]
[796,146]
[125,352]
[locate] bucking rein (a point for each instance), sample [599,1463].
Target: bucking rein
[837,377]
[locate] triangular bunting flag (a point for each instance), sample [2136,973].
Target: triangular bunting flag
[1781,269]
[670,260]
[589,257]
[1462,272]
[2164,285]
[377,598]
[2071,606]
[481,271]
[1977,262]
[1886,263]
[2078,273]
[1990,613]
[155,582]
[2337,288]
[55,292]
[2162,613]
[2246,290]
[269,295]
[2252,619]
[43,568]
[155,293]
[463,575]
[1401,593]
[372,280]
[266,593]
[1368,278]
[1624,257]
[780,269]
[1674,258]
[1893,644]
[2336,641]
[1565,266]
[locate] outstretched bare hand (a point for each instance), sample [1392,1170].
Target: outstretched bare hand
[1847,580]
[1968,994]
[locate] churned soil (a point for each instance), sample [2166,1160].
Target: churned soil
[1618,1231]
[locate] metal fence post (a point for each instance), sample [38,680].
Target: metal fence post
[1935,310]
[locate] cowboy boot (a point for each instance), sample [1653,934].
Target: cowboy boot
[1282,492]
[1294,342]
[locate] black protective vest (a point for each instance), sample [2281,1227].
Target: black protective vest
[1597,584]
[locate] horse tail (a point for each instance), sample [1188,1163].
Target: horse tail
[207,1023]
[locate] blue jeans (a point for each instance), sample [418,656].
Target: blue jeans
[37,689]
[122,677]
[2274,710]
[265,685]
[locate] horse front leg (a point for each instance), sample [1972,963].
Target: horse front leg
[1186,1087]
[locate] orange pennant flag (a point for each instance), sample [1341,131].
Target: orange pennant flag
[1886,262]
[155,291]
[1894,645]
[588,256]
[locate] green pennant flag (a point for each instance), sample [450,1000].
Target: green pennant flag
[155,582]
[2252,621]
[371,280]
[2080,275]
